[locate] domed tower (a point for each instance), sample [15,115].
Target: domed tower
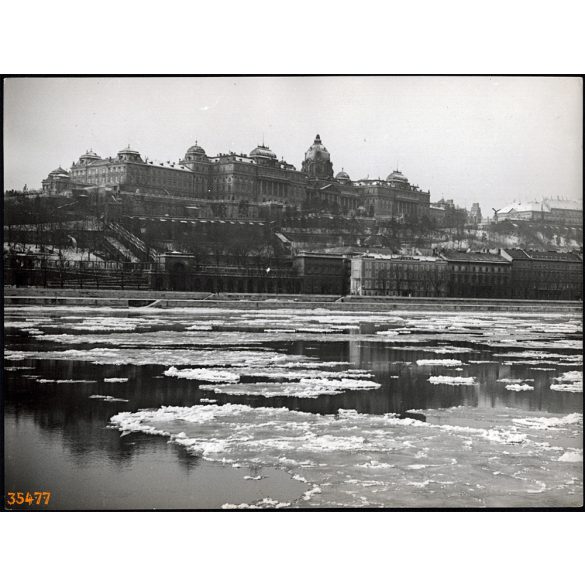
[88,158]
[58,180]
[343,177]
[263,155]
[129,155]
[317,161]
[59,172]
[398,180]
[194,154]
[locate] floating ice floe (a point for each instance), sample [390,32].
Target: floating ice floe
[575,456]
[305,388]
[535,422]
[343,383]
[358,452]
[46,381]
[264,503]
[569,382]
[514,380]
[258,358]
[16,368]
[447,363]
[115,380]
[206,375]
[106,398]
[519,387]
[453,380]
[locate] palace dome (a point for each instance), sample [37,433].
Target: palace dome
[317,150]
[59,171]
[195,150]
[262,151]
[89,155]
[397,177]
[342,177]
[129,155]
[128,151]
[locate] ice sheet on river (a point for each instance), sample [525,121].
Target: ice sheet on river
[459,457]
[212,326]
[305,388]
[569,382]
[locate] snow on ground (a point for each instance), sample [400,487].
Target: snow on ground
[352,459]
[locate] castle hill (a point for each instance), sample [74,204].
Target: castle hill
[240,224]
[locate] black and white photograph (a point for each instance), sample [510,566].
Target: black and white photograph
[293,292]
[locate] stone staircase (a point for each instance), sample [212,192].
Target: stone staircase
[118,251]
[132,242]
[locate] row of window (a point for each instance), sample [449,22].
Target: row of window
[465,268]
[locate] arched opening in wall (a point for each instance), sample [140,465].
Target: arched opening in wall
[178,276]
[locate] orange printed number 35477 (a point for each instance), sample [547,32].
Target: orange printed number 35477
[21,498]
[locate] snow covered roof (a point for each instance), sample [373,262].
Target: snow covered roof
[516,253]
[457,256]
[563,204]
[174,166]
[403,257]
[530,206]
[552,255]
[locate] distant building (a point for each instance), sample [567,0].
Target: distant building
[321,273]
[437,214]
[559,211]
[477,274]
[545,275]
[397,275]
[57,182]
[531,211]
[475,214]
[393,198]
[564,211]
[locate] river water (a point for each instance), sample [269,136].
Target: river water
[219,408]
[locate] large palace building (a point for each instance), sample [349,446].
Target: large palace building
[259,177]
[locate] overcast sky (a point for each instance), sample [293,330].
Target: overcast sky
[494,140]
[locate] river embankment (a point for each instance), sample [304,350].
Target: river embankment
[193,299]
